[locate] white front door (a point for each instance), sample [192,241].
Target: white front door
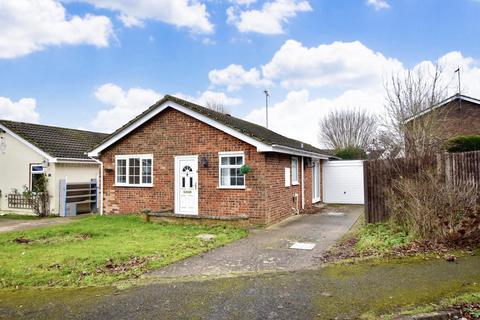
[316,181]
[186,185]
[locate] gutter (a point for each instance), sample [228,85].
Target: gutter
[298,152]
[101,184]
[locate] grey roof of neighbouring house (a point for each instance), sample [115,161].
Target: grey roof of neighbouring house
[252,130]
[57,142]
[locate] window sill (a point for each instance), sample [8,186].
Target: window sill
[315,200]
[233,188]
[295,183]
[134,185]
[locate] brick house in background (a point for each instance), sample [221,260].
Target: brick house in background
[457,115]
[185,159]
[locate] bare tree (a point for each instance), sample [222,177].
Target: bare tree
[407,95]
[353,128]
[216,104]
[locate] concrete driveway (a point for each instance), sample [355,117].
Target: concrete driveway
[266,250]
[7,225]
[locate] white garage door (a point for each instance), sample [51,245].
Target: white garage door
[343,182]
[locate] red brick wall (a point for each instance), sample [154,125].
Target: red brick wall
[172,133]
[458,120]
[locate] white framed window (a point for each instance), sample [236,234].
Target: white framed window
[134,170]
[230,176]
[294,171]
[36,171]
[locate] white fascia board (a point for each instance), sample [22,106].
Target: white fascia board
[73,160]
[193,114]
[297,152]
[28,144]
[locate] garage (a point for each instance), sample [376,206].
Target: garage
[343,182]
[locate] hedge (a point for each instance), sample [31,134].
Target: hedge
[463,143]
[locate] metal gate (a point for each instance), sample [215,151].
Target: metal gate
[78,197]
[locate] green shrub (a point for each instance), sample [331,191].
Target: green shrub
[463,143]
[351,153]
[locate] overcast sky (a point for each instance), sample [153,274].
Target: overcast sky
[95,64]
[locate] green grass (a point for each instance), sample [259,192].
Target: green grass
[78,253]
[468,298]
[380,238]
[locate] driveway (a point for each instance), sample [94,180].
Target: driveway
[7,225]
[266,250]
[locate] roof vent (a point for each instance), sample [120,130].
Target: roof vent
[228,114]
[301,145]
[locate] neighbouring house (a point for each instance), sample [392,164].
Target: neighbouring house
[30,150]
[183,159]
[457,115]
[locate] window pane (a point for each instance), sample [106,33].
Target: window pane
[134,171]
[294,170]
[224,177]
[37,169]
[122,171]
[240,161]
[35,179]
[240,181]
[146,170]
[224,161]
[232,161]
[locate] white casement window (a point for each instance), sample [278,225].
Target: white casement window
[36,171]
[294,171]
[134,170]
[229,170]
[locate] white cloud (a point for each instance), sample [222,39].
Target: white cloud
[298,115]
[313,71]
[378,4]
[269,19]
[123,105]
[22,110]
[28,26]
[190,14]
[216,96]
[339,64]
[235,76]
[243,2]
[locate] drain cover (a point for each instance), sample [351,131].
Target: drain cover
[336,214]
[302,245]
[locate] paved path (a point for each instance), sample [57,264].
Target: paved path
[7,225]
[335,292]
[268,249]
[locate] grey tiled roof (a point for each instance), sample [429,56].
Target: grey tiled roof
[252,130]
[55,141]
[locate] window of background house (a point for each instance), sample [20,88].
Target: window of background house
[230,175]
[36,171]
[294,170]
[134,170]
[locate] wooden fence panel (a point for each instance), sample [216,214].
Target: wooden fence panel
[455,168]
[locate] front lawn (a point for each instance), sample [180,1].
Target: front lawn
[99,250]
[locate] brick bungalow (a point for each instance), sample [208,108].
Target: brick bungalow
[185,159]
